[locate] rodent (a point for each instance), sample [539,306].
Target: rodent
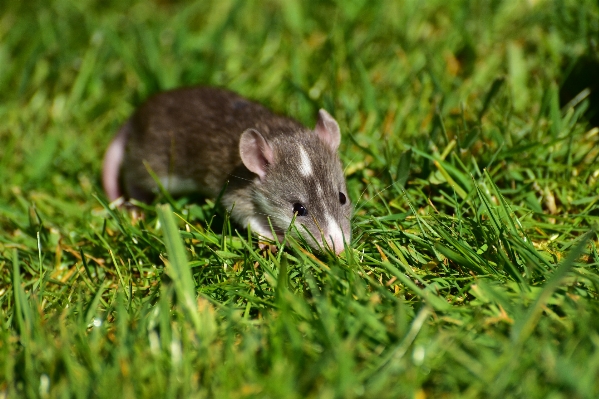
[201,139]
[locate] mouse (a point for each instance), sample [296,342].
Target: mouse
[270,170]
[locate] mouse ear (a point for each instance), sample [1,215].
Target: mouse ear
[327,129]
[255,152]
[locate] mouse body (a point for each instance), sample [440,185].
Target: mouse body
[274,170]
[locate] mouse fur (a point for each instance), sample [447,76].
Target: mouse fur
[201,139]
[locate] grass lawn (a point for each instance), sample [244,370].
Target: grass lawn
[471,159]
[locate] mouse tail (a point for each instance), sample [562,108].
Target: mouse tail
[113,160]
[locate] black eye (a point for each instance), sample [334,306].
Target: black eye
[299,209]
[342,198]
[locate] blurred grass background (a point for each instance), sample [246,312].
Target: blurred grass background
[470,142]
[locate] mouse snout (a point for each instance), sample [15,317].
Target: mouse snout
[334,236]
[336,244]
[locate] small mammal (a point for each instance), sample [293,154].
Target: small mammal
[201,139]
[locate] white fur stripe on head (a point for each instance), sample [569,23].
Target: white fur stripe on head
[305,166]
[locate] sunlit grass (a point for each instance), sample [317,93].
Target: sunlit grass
[473,270]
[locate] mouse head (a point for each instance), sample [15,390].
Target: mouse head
[300,180]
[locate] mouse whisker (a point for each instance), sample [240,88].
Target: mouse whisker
[240,178]
[348,165]
[373,197]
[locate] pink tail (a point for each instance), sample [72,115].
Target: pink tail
[113,159]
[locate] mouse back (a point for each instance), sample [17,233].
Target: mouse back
[189,138]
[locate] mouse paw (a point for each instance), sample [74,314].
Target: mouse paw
[267,246]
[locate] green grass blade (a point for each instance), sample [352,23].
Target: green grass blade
[524,326]
[177,266]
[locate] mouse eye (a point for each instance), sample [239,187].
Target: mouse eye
[299,209]
[342,198]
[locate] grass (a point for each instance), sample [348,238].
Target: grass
[473,270]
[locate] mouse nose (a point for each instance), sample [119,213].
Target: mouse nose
[334,235]
[336,243]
